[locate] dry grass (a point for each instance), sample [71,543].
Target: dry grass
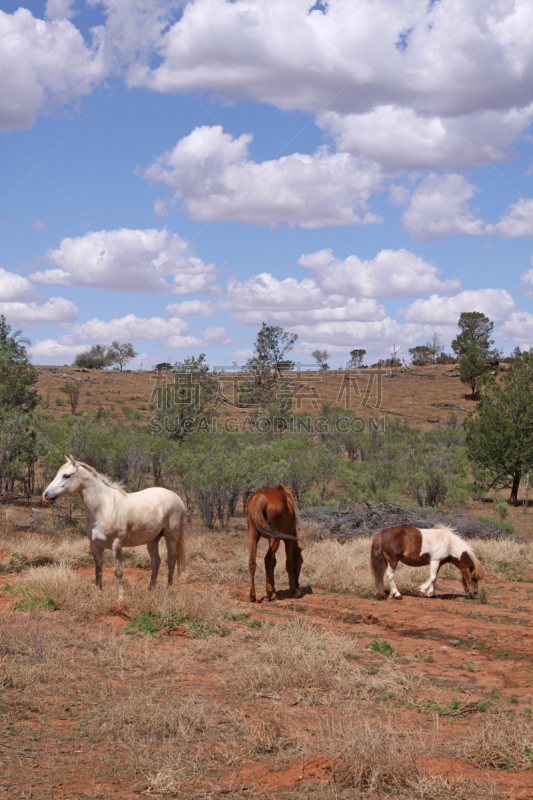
[72,592]
[377,757]
[301,657]
[269,732]
[502,742]
[298,656]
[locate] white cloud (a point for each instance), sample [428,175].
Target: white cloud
[439,207]
[160,208]
[217,335]
[15,287]
[50,349]
[191,308]
[59,9]
[214,175]
[518,328]
[128,260]
[401,139]
[38,225]
[526,279]
[497,304]
[392,273]
[57,309]
[385,62]
[126,329]
[517,222]
[290,302]
[43,65]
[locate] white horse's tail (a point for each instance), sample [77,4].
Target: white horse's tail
[180,552]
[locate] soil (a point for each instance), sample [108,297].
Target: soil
[476,654]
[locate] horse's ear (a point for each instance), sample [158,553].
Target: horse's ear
[67,459]
[73,461]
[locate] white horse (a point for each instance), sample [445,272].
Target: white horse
[116,519]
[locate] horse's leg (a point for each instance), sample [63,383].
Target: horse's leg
[290,550]
[117,555]
[253,540]
[270,564]
[98,555]
[390,577]
[434,567]
[155,558]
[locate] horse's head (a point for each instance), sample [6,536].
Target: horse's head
[471,573]
[66,481]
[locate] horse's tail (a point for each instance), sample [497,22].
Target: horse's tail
[180,551]
[378,564]
[256,512]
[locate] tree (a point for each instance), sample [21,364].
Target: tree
[476,329]
[434,346]
[264,367]
[473,366]
[72,390]
[420,355]
[121,353]
[98,357]
[321,358]
[499,434]
[356,361]
[17,375]
[472,346]
[185,399]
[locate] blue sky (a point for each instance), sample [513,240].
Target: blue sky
[174,174]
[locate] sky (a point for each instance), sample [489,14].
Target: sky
[174,174]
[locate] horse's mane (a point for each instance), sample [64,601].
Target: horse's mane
[108,482]
[463,546]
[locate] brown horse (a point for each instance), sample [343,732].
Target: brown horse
[419,547]
[271,514]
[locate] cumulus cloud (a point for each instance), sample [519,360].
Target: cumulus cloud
[392,273]
[128,328]
[526,279]
[382,64]
[213,173]
[439,207]
[497,304]
[15,287]
[50,349]
[517,222]
[290,302]
[43,65]
[217,335]
[518,328]
[128,260]
[401,139]
[57,309]
[191,308]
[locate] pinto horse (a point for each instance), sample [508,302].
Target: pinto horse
[418,547]
[116,519]
[271,514]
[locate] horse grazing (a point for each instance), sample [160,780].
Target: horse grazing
[271,514]
[416,548]
[116,519]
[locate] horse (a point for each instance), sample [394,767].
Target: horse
[117,519]
[418,547]
[271,514]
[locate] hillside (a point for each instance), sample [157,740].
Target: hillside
[412,392]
